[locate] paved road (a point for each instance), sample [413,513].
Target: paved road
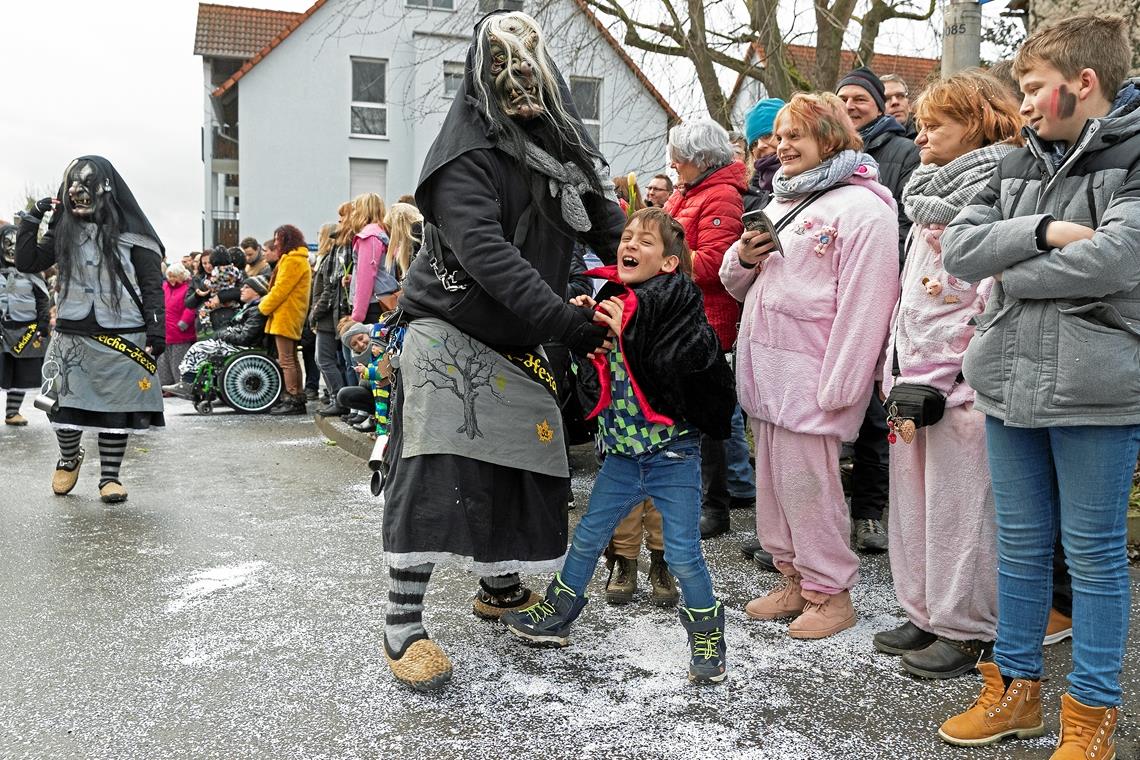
[232,608]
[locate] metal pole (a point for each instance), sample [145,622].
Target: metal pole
[961,36]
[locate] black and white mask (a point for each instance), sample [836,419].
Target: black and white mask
[87,191]
[8,245]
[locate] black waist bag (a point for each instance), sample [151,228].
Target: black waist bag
[923,405]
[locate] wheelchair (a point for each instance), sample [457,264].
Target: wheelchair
[249,381]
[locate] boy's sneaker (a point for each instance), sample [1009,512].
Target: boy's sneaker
[707,650]
[547,624]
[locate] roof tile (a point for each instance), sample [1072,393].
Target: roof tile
[225,31]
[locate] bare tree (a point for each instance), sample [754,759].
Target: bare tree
[461,369]
[70,361]
[750,43]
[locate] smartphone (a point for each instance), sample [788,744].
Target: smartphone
[758,221]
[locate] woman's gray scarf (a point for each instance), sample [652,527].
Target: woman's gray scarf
[935,194]
[832,171]
[566,181]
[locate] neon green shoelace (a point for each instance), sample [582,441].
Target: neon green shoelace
[539,612]
[705,644]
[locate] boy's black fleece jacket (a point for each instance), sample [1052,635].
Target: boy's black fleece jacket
[671,352]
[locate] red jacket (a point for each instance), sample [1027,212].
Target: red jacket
[710,212]
[176,311]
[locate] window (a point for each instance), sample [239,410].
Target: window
[587,95]
[439,5]
[366,175]
[486,6]
[452,77]
[369,97]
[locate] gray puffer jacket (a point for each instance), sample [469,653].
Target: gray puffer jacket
[1059,342]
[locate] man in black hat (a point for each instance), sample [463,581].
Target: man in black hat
[883,137]
[886,142]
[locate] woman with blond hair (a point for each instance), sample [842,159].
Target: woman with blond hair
[405,229]
[814,324]
[322,319]
[370,280]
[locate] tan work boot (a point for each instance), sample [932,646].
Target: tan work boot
[784,601]
[663,591]
[66,475]
[1086,732]
[1060,627]
[16,420]
[823,615]
[998,712]
[622,584]
[112,492]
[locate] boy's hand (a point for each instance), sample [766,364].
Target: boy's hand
[755,247]
[1059,234]
[360,370]
[583,300]
[609,314]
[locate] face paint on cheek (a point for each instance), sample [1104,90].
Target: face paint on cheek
[1062,104]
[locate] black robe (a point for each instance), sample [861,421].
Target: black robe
[489,518]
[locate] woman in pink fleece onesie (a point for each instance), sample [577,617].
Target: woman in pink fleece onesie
[942,525]
[814,325]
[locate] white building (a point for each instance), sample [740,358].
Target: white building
[306,110]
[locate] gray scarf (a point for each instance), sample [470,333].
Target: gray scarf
[566,182]
[832,171]
[935,194]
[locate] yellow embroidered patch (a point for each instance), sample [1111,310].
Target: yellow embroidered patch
[144,384]
[545,432]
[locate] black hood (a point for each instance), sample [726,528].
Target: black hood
[133,218]
[467,127]
[879,131]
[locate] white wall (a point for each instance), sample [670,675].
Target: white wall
[294,106]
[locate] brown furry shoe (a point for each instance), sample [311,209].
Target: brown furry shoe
[420,665]
[487,606]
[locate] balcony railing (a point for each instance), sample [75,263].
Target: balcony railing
[225,147]
[226,228]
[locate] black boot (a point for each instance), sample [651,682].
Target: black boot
[946,658]
[908,637]
[764,561]
[714,520]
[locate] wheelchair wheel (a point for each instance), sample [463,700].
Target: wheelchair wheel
[251,382]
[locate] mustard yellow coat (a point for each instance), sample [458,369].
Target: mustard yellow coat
[287,302]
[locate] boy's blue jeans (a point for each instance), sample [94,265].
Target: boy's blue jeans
[1075,480]
[670,476]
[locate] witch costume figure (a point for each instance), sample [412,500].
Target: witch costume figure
[99,371]
[478,468]
[25,310]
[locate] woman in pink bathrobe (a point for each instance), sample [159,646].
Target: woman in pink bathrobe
[814,325]
[942,524]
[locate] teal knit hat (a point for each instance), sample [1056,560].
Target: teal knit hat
[760,119]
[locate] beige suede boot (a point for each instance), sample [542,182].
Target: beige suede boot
[786,600]
[823,615]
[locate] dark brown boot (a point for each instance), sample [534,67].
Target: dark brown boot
[664,591]
[623,580]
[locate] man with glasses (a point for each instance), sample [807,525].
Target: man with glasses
[897,96]
[658,190]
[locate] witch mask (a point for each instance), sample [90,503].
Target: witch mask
[87,191]
[8,245]
[517,63]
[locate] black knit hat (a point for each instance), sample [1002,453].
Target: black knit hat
[865,78]
[258,284]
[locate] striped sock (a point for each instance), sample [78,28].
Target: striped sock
[404,618]
[68,443]
[12,406]
[503,586]
[112,449]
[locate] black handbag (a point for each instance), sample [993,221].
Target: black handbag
[911,406]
